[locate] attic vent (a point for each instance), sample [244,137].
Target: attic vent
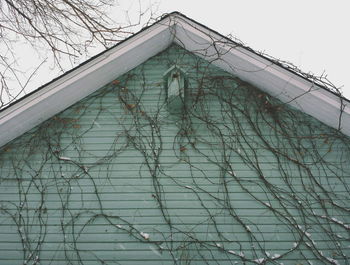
[175,83]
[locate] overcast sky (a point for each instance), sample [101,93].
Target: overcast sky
[313,35]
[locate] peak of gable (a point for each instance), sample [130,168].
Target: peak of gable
[244,63]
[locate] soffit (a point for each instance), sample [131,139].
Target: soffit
[257,70]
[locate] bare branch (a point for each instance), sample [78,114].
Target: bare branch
[55,30]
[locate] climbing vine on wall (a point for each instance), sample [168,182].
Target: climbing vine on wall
[235,176]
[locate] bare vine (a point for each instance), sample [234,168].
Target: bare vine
[235,177]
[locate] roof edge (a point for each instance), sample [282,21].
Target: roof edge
[273,77]
[324,84]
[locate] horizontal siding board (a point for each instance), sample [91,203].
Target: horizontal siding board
[199,189]
[112,238]
[139,250]
[184,196]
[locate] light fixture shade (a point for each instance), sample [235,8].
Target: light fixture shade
[175,83]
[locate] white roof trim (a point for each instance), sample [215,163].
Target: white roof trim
[264,74]
[250,67]
[82,81]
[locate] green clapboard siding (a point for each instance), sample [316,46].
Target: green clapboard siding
[233,177]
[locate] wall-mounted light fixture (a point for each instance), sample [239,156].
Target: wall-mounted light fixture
[175,83]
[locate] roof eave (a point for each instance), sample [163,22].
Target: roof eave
[261,72]
[249,66]
[84,80]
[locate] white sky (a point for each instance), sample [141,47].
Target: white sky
[313,35]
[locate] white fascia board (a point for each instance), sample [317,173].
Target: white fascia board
[81,82]
[264,74]
[239,61]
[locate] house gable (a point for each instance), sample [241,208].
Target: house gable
[290,87]
[237,176]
